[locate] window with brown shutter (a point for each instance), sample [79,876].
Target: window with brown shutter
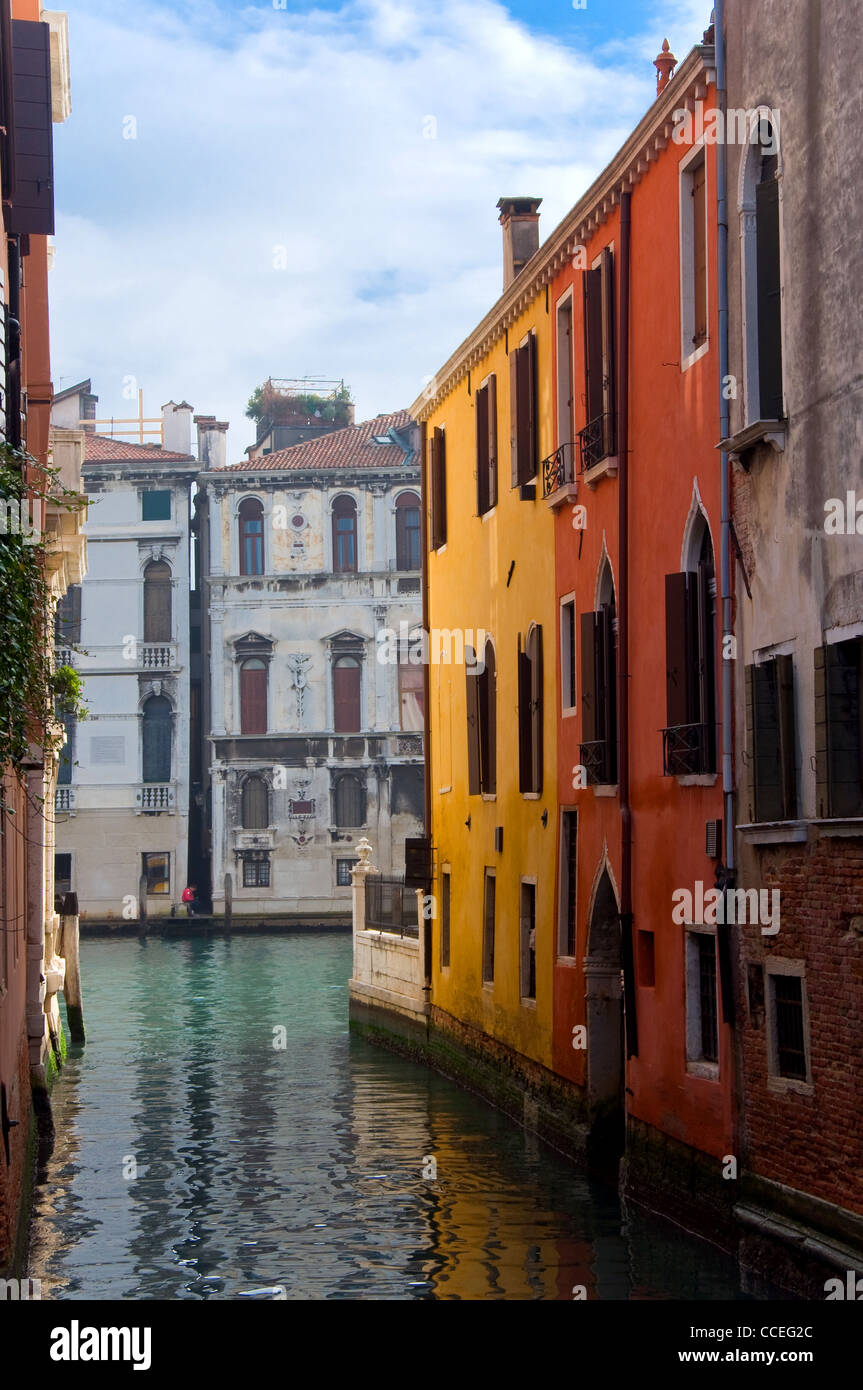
[32,208]
[525,761]
[437,489]
[768,291]
[157,602]
[347,680]
[599,695]
[771,739]
[349,802]
[530,712]
[838,743]
[597,438]
[524,419]
[408,532]
[472,679]
[254,809]
[445,919]
[253,697]
[486,446]
[488,911]
[698,193]
[487,718]
[689,740]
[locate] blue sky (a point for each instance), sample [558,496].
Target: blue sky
[310,190]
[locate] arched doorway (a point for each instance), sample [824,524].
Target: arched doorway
[604,1017]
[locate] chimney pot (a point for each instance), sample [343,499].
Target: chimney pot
[177,427]
[212,444]
[665,63]
[519,218]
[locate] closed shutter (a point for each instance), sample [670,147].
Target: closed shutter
[482,451]
[767,770]
[157,602]
[750,739]
[472,706]
[491,404]
[607,280]
[701,622]
[699,255]
[592,295]
[607,654]
[67,624]
[787,735]
[532,408]
[253,699]
[843,722]
[525,759]
[676,672]
[32,208]
[769,305]
[822,736]
[525,424]
[346,698]
[513,417]
[437,469]
[488,717]
[588,678]
[536,708]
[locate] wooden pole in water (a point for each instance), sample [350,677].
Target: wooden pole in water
[142,905]
[72,981]
[229,901]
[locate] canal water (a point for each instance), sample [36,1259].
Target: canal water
[222,1134]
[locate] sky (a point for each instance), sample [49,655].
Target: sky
[289,190]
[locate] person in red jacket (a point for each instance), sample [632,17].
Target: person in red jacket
[189,898]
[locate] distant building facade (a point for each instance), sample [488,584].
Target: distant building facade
[305,558]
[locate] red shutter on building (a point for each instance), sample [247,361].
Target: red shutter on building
[346,699]
[32,209]
[253,700]
[607,287]
[588,678]
[592,288]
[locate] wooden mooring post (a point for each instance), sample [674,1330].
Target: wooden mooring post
[229,901]
[72,982]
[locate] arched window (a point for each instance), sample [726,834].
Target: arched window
[251,517]
[157,602]
[349,801]
[689,741]
[255,804]
[408,532]
[156,735]
[344,535]
[253,696]
[347,683]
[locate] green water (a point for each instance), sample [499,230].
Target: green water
[196,1160]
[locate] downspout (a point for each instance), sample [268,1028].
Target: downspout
[424,500]
[626,929]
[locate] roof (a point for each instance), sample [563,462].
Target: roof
[81,388]
[100,448]
[353,447]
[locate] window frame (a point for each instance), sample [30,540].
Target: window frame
[146,856]
[445,917]
[567,903]
[696,1062]
[527,925]
[690,351]
[245,537]
[343,507]
[568,657]
[153,492]
[774,966]
[489,926]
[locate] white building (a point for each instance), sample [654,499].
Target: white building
[306,555]
[122,803]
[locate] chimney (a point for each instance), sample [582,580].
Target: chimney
[177,427]
[665,63]
[211,441]
[519,218]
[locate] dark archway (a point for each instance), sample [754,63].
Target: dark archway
[604,1018]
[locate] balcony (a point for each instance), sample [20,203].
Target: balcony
[65,800]
[558,476]
[390,906]
[597,759]
[595,444]
[158,656]
[63,656]
[685,751]
[155,798]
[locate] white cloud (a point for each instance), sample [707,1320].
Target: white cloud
[262,128]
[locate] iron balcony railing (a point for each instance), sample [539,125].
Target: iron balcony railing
[558,469]
[685,750]
[592,442]
[597,760]
[391,906]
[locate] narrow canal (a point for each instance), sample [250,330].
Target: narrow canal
[195,1159]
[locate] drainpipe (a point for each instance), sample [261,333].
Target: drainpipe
[626,941]
[424,496]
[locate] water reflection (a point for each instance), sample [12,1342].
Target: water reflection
[195,1159]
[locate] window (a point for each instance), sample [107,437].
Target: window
[524,423]
[486,446]
[256,870]
[347,680]
[788,1022]
[67,752]
[251,519]
[527,936]
[689,741]
[62,874]
[565,396]
[770,739]
[437,487]
[596,441]
[488,907]
[693,256]
[343,872]
[444,918]
[702,1035]
[157,602]
[481,722]
[769,288]
[568,883]
[155,506]
[530,712]
[411,692]
[344,535]
[838,743]
[349,802]
[253,696]
[156,739]
[67,619]
[156,870]
[567,656]
[255,813]
[408,556]
[599,692]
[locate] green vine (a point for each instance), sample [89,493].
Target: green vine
[33,695]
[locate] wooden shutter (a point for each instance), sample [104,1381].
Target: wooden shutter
[532,408]
[525,423]
[482,449]
[769,307]
[676,656]
[766,767]
[437,468]
[346,699]
[525,760]
[536,708]
[843,685]
[787,735]
[607,283]
[488,723]
[253,700]
[702,658]
[513,417]
[607,694]
[434,504]
[491,390]
[822,735]
[442,500]
[157,602]
[588,678]
[255,809]
[32,208]
[699,254]
[472,707]
[592,294]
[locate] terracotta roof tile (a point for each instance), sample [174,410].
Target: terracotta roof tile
[353,447]
[100,448]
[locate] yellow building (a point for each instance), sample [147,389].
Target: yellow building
[486,420]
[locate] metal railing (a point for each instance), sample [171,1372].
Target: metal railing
[390,906]
[596,759]
[592,442]
[558,469]
[685,750]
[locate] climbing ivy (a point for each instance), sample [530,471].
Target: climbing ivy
[33,695]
